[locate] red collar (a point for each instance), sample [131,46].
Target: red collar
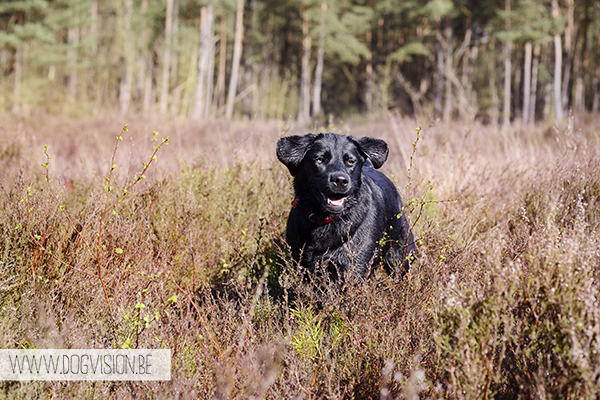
[311,216]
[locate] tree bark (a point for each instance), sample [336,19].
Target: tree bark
[492,82]
[595,71]
[534,82]
[237,56]
[578,94]
[582,70]
[202,83]
[91,84]
[304,112]
[369,67]
[149,84]
[319,67]
[73,39]
[449,99]
[415,96]
[210,76]
[439,84]
[569,50]
[141,53]
[507,71]
[94,25]
[380,23]
[166,61]
[18,64]
[558,105]
[596,92]
[466,65]
[128,52]
[527,82]
[173,69]
[220,89]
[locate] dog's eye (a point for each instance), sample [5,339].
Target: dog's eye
[350,162]
[320,160]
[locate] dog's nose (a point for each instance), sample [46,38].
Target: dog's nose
[340,181]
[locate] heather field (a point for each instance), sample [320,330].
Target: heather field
[502,301]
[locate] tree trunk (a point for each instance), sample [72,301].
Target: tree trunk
[439,84]
[237,56]
[558,105]
[415,96]
[166,61]
[369,78]
[507,71]
[202,83]
[73,39]
[319,66]
[380,23]
[210,76]
[173,69]
[268,57]
[595,71]
[220,89]
[369,67]
[318,77]
[18,65]
[128,52]
[534,82]
[149,84]
[94,25]
[466,65]
[449,100]
[578,95]
[596,92]
[569,50]
[141,51]
[582,70]
[92,84]
[527,82]
[494,96]
[304,113]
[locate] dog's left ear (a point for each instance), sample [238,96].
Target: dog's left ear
[292,149]
[375,149]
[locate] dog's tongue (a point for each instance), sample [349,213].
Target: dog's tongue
[336,202]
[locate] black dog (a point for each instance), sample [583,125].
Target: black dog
[345,213]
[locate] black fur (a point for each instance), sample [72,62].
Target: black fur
[346,213]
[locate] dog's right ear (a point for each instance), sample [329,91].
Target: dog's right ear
[375,149]
[292,149]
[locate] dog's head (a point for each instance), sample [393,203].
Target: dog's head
[328,166]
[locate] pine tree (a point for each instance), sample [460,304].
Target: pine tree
[25,24]
[530,24]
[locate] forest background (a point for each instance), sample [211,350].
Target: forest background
[171,235]
[494,61]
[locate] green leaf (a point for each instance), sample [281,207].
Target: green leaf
[406,52]
[439,8]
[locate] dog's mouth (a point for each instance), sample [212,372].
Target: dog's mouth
[333,199]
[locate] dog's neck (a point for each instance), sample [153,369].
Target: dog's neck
[311,216]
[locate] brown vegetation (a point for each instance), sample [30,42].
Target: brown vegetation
[502,301]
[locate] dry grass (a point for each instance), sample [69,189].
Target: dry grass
[502,301]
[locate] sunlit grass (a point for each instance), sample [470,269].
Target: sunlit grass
[502,300]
